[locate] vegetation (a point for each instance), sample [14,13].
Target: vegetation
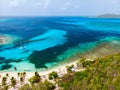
[25,87]
[46,85]
[24,74]
[13,82]
[21,74]
[7,75]
[69,68]
[37,84]
[53,75]
[101,74]
[4,87]
[35,79]
[21,80]
[4,79]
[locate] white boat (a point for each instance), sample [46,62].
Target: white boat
[22,47]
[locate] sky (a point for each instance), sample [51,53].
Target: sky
[58,7]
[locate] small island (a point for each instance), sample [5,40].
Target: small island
[7,39]
[1,40]
[109,16]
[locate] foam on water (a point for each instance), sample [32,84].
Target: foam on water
[49,39]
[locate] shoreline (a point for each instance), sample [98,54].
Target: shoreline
[61,70]
[55,68]
[102,49]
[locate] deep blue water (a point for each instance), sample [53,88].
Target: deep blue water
[43,41]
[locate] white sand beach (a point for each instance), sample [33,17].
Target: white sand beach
[61,70]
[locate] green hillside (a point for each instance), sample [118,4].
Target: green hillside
[101,74]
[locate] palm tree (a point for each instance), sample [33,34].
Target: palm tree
[4,79]
[36,74]
[18,74]
[7,75]
[35,79]
[13,81]
[53,75]
[24,74]
[21,80]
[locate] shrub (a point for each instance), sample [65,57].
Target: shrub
[4,87]
[19,74]
[13,82]
[101,74]
[46,85]
[53,75]
[87,63]
[69,68]
[21,80]
[35,79]
[7,75]
[4,79]
[25,87]
[24,74]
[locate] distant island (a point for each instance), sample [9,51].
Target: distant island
[7,39]
[2,39]
[109,16]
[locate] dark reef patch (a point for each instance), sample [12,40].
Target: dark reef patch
[6,63]
[6,66]
[40,58]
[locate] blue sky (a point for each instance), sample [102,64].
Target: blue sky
[58,7]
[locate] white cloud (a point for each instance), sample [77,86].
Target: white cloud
[55,7]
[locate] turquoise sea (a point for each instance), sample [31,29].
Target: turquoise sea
[43,42]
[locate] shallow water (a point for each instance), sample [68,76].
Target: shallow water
[45,41]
